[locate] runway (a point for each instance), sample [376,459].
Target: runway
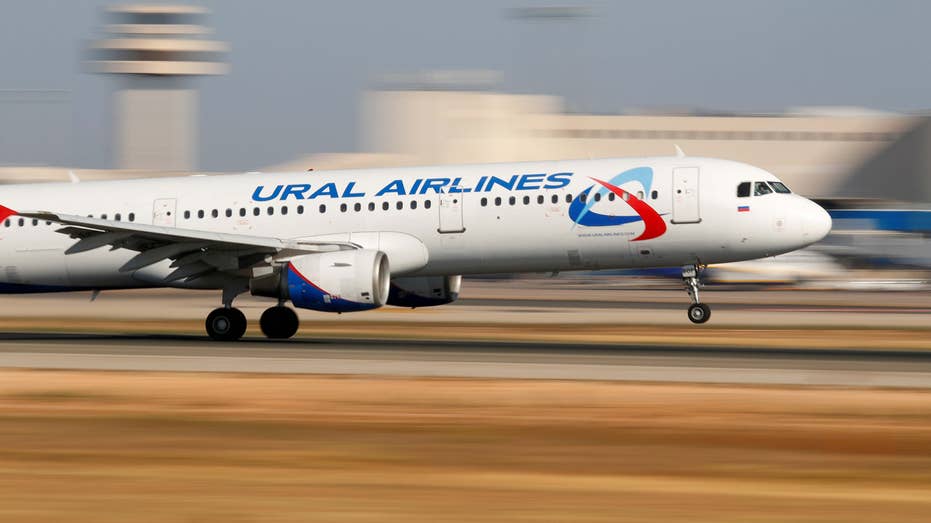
[469,359]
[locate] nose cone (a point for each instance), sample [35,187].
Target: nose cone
[816,222]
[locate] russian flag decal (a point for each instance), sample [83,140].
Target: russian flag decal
[743,208]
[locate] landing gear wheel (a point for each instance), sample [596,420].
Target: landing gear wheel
[699,313]
[226,324]
[279,323]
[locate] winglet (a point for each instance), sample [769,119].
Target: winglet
[73,177]
[6,212]
[679,152]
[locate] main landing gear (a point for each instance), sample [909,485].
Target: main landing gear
[279,323]
[229,323]
[698,311]
[226,324]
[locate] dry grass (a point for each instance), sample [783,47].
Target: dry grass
[102,447]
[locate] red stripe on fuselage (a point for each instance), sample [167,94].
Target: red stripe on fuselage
[6,212]
[654,225]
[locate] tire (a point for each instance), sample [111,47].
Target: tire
[239,322]
[699,313]
[279,323]
[225,324]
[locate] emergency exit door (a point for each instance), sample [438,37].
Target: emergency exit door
[450,213]
[685,201]
[163,212]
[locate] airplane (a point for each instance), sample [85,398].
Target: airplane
[356,240]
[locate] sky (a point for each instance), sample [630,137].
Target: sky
[298,68]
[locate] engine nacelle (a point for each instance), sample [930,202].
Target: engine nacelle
[339,281]
[424,291]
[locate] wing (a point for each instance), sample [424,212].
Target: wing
[194,253]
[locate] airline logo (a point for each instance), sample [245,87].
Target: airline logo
[419,186]
[580,210]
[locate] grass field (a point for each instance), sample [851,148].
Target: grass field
[107,447]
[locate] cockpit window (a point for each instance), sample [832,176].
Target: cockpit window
[743,190]
[760,188]
[780,187]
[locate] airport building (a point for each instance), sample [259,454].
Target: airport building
[814,151]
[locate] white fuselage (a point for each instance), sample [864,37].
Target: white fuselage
[515,217]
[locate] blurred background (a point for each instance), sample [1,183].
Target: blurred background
[586,398]
[836,106]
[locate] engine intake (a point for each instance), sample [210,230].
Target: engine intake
[339,281]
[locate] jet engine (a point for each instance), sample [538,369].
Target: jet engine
[424,291]
[339,281]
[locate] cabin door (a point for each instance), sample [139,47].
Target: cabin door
[450,213]
[685,204]
[164,211]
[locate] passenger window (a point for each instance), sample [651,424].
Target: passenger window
[743,190]
[413,204]
[357,207]
[21,222]
[132,216]
[284,210]
[555,198]
[270,211]
[242,211]
[426,204]
[118,217]
[371,206]
[342,207]
[300,209]
[583,197]
[214,213]
[639,195]
[484,202]
[526,200]
[611,197]
[540,199]
[229,213]
[35,222]
[322,208]
[187,214]
[760,188]
[6,223]
[256,211]
[399,205]
[497,201]
[568,198]
[103,216]
[654,195]
[384,206]
[597,197]
[512,200]
[780,187]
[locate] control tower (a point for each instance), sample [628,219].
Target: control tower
[158,50]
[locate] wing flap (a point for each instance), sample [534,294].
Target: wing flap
[193,252]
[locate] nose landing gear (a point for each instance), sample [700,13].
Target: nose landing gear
[698,312]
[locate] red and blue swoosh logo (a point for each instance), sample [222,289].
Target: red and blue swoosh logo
[582,214]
